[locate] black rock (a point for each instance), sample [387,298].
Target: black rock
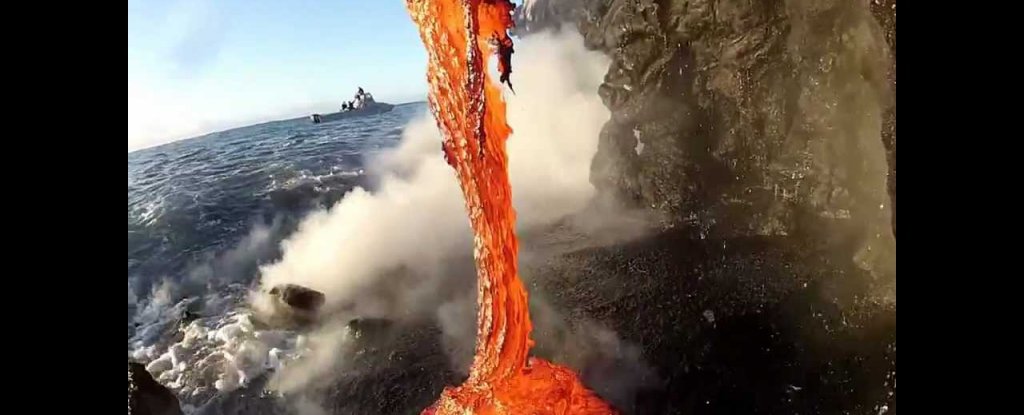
[370,327]
[299,297]
[398,369]
[744,325]
[148,397]
[188,316]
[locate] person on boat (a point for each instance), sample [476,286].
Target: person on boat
[344,106]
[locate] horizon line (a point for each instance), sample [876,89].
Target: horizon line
[203,135]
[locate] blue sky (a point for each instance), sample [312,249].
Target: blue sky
[197,66]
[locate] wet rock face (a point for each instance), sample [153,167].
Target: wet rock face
[766,118]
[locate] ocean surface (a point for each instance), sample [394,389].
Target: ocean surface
[204,213]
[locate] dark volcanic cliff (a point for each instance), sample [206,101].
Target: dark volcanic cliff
[749,118]
[765,132]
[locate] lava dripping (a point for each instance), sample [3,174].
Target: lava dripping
[460,36]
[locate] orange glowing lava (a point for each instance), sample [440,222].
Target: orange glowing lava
[460,36]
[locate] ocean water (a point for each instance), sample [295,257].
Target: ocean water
[204,213]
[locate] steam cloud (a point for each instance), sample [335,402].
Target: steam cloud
[403,251]
[415,218]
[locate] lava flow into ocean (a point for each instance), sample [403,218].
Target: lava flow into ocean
[460,37]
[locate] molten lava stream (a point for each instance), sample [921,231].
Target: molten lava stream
[460,35]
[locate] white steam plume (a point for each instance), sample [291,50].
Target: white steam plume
[402,250]
[415,218]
